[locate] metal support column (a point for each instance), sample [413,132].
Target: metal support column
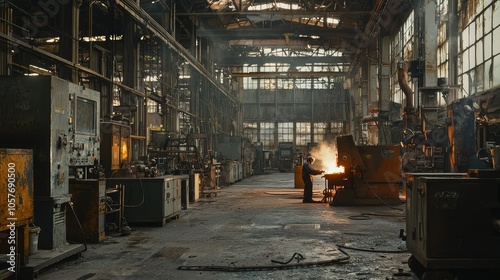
[69,43]
[6,49]
[385,91]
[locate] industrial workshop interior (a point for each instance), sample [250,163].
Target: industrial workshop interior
[167,139]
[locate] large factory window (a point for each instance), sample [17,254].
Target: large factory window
[249,82]
[116,96]
[267,135]
[319,132]
[302,134]
[285,132]
[268,83]
[442,40]
[402,50]
[303,83]
[337,127]
[153,107]
[250,131]
[477,49]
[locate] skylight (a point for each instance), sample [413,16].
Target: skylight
[275,6]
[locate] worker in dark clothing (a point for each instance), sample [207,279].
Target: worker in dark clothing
[307,175]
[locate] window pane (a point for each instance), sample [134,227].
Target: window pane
[479,52]
[487,46]
[267,136]
[487,75]
[285,132]
[250,131]
[319,131]
[496,71]
[303,134]
[487,20]
[496,33]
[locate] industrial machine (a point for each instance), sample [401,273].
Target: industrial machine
[35,114]
[445,144]
[461,132]
[228,172]
[372,174]
[285,156]
[258,162]
[115,148]
[177,155]
[150,200]
[84,152]
[453,225]
[230,153]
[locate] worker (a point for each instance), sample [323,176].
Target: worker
[307,175]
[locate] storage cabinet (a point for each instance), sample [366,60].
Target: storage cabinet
[88,197]
[114,207]
[150,200]
[181,187]
[450,223]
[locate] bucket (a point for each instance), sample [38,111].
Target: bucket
[34,232]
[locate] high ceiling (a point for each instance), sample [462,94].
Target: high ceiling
[333,33]
[306,38]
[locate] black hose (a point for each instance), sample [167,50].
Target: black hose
[142,199]
[267,267]
[79,225]
[366,216]
[372,251]
[297,256]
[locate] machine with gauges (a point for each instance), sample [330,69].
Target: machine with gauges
[36,115]
[84,152]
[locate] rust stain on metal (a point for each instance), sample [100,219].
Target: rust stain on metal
[16,173]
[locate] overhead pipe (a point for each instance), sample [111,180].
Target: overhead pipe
[409,109]
[364,36]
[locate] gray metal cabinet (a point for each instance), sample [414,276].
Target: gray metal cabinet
[149,200]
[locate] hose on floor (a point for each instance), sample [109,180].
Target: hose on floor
[267,267]
[296,256]
[372,251]
[366,216]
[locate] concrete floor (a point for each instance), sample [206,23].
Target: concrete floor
[252,223]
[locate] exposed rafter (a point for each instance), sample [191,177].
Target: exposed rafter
[263,33]
[297,61]
[295,14]
[291,74]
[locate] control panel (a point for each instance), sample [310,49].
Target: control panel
[84,143]
[84,151]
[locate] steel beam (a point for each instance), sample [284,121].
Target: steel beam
[293,13]
[238,60]
[261,33]
[285,75]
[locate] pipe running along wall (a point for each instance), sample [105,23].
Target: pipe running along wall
[409,109]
